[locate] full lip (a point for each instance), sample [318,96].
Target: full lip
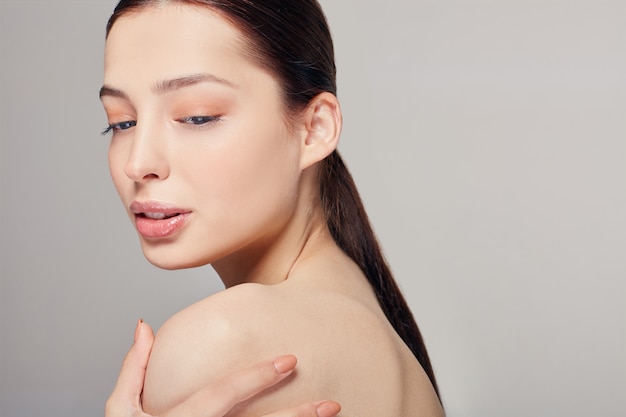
[156,208]
[157,221]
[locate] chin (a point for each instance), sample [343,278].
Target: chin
[169,260]
[171,265]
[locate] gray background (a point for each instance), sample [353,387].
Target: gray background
[488,141]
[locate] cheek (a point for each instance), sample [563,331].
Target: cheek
[267,167]
[117,160]
[253,170]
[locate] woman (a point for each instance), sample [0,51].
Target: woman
[225,124]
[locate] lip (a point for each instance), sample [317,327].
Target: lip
[155,220]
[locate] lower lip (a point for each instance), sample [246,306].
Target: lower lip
[156,229]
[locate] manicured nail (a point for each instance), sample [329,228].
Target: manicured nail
[285,364]
[138,328]
[328,409]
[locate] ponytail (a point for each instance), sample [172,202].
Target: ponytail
[350,228]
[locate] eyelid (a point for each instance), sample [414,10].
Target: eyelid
[194,121]
[199,120]
[119,126]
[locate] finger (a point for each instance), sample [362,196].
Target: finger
[219,398]
[129,385]
[318,409]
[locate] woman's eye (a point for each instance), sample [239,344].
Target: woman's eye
[199,120]
[119,126]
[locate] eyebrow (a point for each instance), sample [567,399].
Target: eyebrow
[165,86]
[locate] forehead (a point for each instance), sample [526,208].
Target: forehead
[160,42]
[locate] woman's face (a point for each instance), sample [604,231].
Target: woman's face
[200,152]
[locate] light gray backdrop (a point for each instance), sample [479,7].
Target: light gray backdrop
[488,138]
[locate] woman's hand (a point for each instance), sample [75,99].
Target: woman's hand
[215,400]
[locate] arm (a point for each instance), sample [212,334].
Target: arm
[215,400]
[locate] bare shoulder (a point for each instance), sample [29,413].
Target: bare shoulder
[202,343]
[337,340]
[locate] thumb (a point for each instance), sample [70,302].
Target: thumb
[127,392]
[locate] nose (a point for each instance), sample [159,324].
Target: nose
[147,160]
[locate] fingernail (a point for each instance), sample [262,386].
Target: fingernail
[137,329]
[285,364]
[328,409]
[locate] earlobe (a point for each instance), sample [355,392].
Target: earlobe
[322,121]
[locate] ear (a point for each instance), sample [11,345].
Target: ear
[321,123]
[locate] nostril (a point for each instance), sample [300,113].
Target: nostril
[146,163]
[143,169]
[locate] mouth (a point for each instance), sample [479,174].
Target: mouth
[157,215]
[156,210]
[157,220]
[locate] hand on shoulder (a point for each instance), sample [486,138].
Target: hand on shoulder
[215,400]
[241,326]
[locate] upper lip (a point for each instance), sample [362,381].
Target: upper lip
[138,207]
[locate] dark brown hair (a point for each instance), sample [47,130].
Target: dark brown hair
[291,40]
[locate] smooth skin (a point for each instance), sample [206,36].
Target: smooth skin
[223,148]
[215,400]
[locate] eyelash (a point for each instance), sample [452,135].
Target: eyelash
[119,126]
[195,121]
[199,120]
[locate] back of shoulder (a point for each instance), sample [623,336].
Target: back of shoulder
[202,343]
[345,351]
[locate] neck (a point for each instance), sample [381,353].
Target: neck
[272,260]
